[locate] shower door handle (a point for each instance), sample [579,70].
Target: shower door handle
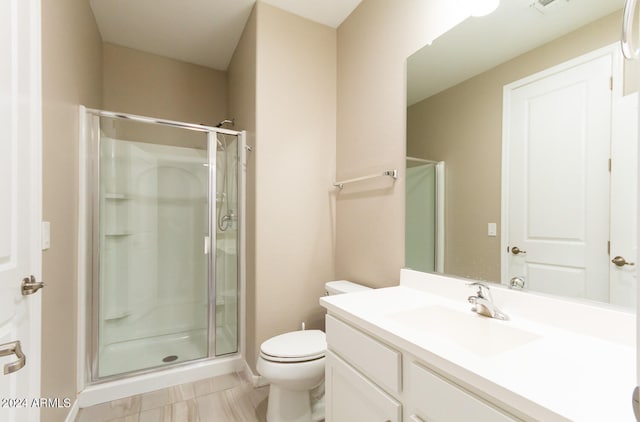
[207,245]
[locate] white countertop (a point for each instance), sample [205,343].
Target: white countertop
[535,369]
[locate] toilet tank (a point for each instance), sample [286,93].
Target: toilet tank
[343,286]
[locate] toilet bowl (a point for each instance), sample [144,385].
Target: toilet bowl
[293,363]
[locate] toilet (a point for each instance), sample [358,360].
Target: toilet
[293,363]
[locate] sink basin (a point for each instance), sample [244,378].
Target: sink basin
[478,334]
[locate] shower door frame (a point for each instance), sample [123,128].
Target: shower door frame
[89,271]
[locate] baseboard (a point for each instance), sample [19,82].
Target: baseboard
[73,412]
[255,380]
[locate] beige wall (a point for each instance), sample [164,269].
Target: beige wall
[463,127]
[242,105]
[294,161]
[142,83]
[373,44]
[72,75]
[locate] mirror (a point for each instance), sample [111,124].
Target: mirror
[501,152]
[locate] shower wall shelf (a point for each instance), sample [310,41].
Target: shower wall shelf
[117,317]
[390,173]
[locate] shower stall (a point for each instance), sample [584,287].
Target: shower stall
[424,215]
[163,243]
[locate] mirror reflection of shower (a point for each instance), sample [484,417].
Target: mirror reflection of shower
[225,213]
[424,214]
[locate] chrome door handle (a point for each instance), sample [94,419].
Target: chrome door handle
[636,404]
[516,250]
[13,348]
[629,51]
[620,261]
[30,285]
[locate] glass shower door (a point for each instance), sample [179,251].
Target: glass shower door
[228,175]
[153,282]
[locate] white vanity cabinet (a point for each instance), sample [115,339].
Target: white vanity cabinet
[369,381]
[362,375]
[418,350]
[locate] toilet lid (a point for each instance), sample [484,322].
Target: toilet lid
[295,346]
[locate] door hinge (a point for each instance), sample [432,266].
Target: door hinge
[609,248]
[611,83]
[635,402]
[610,165]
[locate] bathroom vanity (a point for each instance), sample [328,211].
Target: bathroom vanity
[417,352]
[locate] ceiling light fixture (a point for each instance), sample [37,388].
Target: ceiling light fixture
[483,7]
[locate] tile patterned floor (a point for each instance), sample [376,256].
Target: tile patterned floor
[227,398]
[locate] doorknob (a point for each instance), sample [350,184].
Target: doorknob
[13,348]
[620,261]
[516,283]
[30,285]
[516,250]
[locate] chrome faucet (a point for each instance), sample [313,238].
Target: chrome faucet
[483,302]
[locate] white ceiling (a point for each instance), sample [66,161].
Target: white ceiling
[203,32]
[327,12]
[479,44]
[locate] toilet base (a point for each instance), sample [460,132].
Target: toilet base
[288,406]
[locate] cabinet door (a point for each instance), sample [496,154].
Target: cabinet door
[351,397]
[381,363]
[434,399]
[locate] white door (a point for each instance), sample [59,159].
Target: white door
[20,205]
[624,174]
[558,134]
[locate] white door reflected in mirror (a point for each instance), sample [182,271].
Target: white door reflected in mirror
[556,143]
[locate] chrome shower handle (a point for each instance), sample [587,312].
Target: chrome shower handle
[629,51]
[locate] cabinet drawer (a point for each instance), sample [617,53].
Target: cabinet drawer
[435,399]
[376,360]
[350,397]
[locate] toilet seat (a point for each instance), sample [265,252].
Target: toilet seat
[296,346]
